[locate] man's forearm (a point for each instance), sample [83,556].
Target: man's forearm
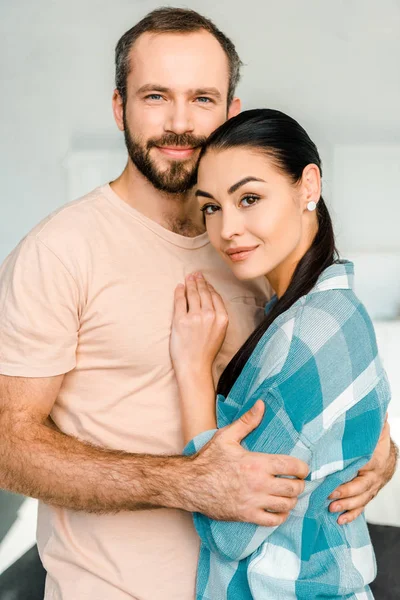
[392,462]
[37,461]
[223,480]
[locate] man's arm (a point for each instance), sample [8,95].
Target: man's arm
[352,498]
[223,481]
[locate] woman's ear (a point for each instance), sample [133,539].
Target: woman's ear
[311,184]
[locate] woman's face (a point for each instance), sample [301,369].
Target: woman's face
[256,218]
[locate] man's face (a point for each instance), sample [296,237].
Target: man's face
[177,92]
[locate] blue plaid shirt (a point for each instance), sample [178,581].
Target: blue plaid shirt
[318,371]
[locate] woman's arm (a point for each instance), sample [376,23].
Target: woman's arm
[321,427]
[340,458]
[197,400]
[198,330]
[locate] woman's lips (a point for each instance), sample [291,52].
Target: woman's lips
[176,152]
[238,254]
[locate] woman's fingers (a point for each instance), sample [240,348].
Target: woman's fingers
[203,299]
[203,289]
[218,303]
[192,295]
[180,304]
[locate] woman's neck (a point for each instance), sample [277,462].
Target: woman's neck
[280,277]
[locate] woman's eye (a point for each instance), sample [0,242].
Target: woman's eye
[209,209]
[249,201]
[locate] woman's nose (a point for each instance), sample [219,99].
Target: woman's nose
[232,224]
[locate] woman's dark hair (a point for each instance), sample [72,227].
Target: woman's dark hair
[288,145]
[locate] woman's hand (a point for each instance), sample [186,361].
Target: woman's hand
[198,328]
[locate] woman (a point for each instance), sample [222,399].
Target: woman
[313,363]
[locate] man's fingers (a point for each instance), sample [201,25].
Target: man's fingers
[288,465]
[350,516]
[245,425]
[356,487]
[269,519]
[281,505]
[288,488]
[356,502]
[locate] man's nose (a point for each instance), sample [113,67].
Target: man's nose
[179,118]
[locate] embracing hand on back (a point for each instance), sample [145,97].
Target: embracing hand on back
[351,498]
[199,325]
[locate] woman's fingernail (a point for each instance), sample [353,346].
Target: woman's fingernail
[335,495]
[338,507]
[343,521]
[191,276]
[199,275]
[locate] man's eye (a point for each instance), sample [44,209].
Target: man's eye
[154,97]
[204,100]
[249,201]
[209,209]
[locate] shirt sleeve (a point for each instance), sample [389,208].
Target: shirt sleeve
[39,320]
[310,416]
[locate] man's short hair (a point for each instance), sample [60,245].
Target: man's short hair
[172,20]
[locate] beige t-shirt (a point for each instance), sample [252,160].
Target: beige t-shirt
[89,293]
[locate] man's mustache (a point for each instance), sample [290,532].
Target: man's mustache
[184,140]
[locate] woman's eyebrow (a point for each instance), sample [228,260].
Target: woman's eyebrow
[232,189]
[204,194]
[239,184]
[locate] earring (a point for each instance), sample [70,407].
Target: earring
[311,206]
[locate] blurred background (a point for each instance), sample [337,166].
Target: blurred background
[334,65]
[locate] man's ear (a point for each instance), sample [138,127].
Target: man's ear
[118,109]
[234,108]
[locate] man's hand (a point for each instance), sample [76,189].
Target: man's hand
[223,480]
[233,484]
[351,498]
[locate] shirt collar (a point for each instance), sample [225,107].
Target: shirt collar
[339,276]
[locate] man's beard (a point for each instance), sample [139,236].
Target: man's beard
[180,177]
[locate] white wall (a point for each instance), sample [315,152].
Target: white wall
[366,203]
[330,64]
[366,192]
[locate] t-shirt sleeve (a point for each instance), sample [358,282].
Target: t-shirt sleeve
[39,312]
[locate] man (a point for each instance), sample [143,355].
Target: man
[86,312]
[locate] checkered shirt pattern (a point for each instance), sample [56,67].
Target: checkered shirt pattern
[318,372]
